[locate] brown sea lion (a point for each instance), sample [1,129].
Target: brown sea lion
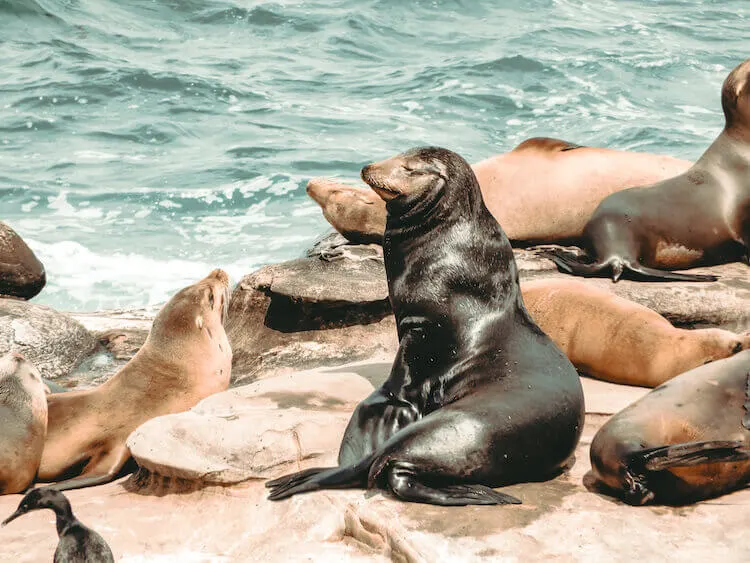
[185,358]
[21,273]
[700,217]
[542,191]
[687,440]
[478,395]
[23,423]
[611,338]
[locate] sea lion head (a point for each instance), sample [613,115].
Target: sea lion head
[14,364]
[201,307]
[356,213]
[41,497]
[735,97]
[423,179]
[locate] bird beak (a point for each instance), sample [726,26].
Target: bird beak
[13,516]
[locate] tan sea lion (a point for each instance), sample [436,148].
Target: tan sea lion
[21,273]
[614,339]
[700,217]
[23,423]
[687,440]
[542,191]
[185,358]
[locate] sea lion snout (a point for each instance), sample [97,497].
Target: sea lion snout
[220,275]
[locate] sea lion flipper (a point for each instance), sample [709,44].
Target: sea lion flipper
[406,486]
[690,453]
[615,267]
[548,144]
[320,478]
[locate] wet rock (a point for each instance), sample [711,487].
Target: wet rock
[21,273]
[54,342]
[328,308]
[262,430]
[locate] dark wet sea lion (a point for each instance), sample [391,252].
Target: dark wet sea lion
[21,273]
[687,440]
[701,217]
[78,543]
[542,191]
[23,423]
[185,358]
[478,395]
[611,338]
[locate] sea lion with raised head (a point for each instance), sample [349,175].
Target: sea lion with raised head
[185,358]
[23,423]
[611,338]
[478,396]
[543,191]
[687,440]
[701,217]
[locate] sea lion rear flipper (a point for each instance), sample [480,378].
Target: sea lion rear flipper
[691,453]
[405,485]
[569,263]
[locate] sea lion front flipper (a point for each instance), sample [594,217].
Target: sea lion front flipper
[349,477]
[104,470]
[405,485]
[690,453]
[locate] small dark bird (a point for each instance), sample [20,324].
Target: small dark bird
[78,543]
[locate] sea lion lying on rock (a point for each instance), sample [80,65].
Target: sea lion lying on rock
[687,440]
[478,395]
[611,338]
[542,191]
[700,217]
[185,358]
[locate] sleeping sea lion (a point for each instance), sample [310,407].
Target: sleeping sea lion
[478,395]
[700,217]
[185,358]
[611,338]
[542,191]
[687,440]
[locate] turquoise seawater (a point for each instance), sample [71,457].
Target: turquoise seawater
[145,142]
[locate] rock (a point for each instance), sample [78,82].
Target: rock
[271,427]
[54,342]
[321,310]
[21,273]
[559,520]
[332,307]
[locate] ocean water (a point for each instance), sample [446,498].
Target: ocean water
[145,142]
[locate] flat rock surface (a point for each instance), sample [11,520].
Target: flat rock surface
[263,430]
[54,342]
[154,520]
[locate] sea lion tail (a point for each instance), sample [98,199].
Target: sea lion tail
[348,477]
[615,267]
[691,453]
